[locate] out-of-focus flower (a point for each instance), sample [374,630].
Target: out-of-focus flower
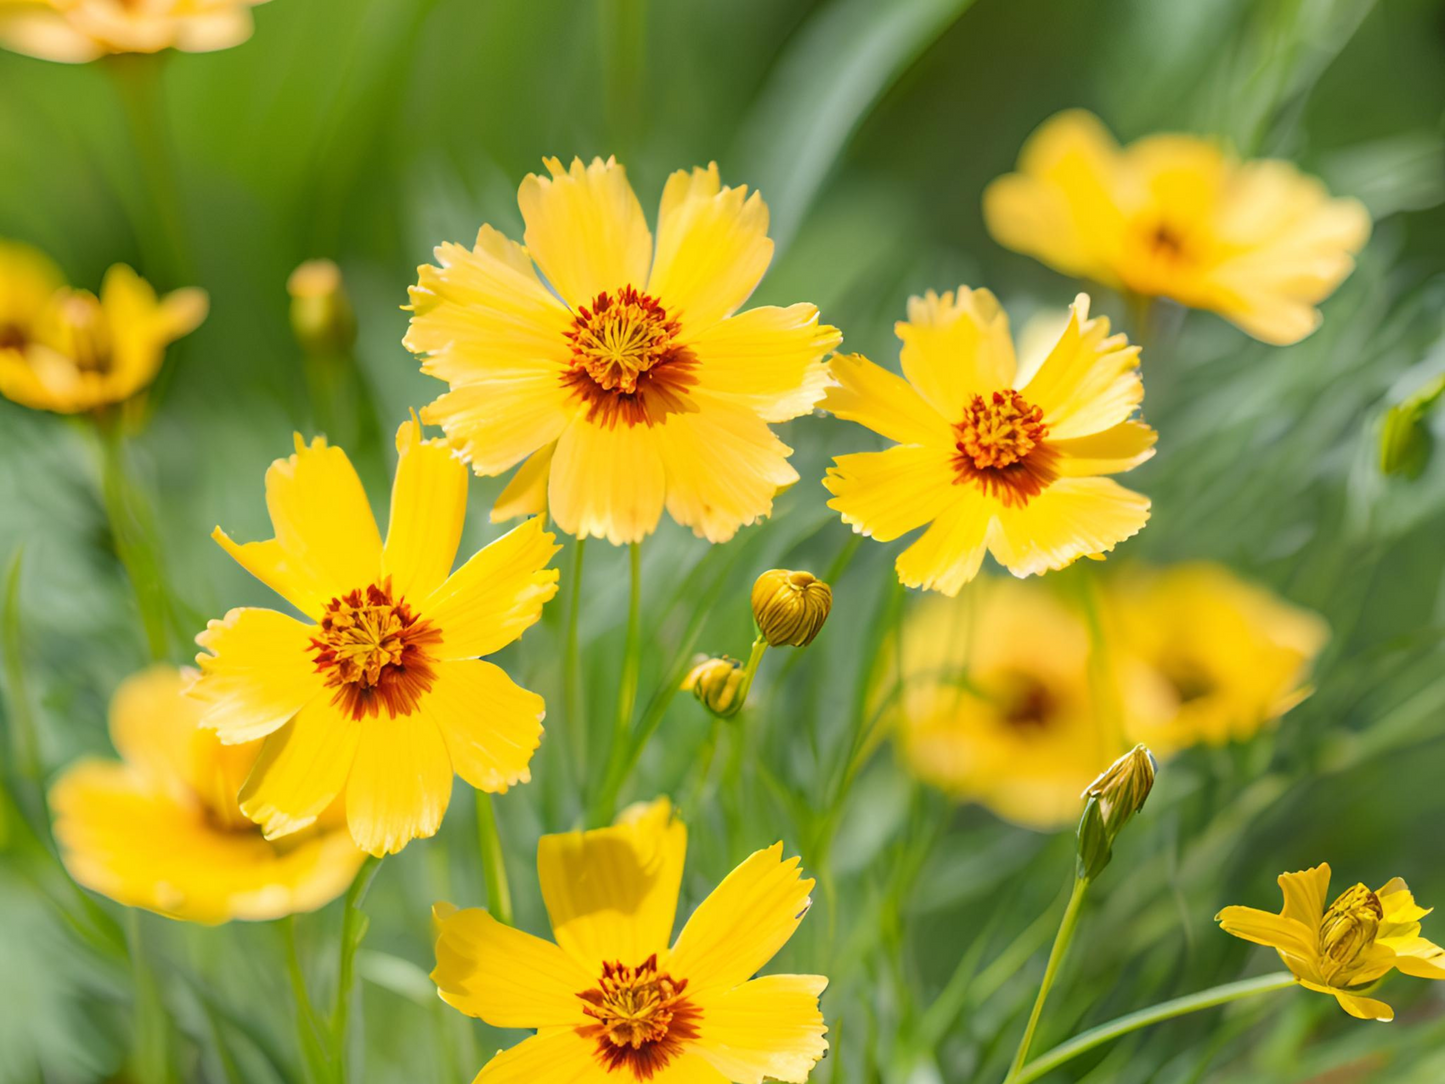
[790,607]
[78,352]
[1205,657]
[1177,216]
[643,386]
[610,1000]
[1110,802]
[162,829]
[321,315]
[76,31]
[718,684]
[996,704]
[1344,948]
[379,693]
[1405,441]
[28,280]
[992,463]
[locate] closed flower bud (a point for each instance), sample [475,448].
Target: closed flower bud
[790,607]
[718,685]
[1113,799]
[1405,439]
[321,316]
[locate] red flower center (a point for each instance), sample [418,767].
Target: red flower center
[643,1018]
[373,651]
[1001,447]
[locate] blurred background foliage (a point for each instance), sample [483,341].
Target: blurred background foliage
[370,130]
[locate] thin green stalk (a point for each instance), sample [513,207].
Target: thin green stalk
[574,720]
[24,736]
[353,929]
[631,653]
[1167,1010]
[133,534]
[1051,970]
[151,1055]
[499,894]
[310,1034]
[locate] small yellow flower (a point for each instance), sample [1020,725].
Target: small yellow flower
[1205,657]
[77,31]
[1177,216]
[379,693]
[1344,948]
[162,830]
[716,682]
[69,351]
[996,704]
[322,319]
[994,459]
[790,607]
[610,1001]
[643,387]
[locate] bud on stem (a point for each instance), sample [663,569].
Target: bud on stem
[790,607]
[1112,800]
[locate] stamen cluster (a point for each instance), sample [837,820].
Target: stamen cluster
[642,1017]
[373,651]
[1347,933]
[1001,447]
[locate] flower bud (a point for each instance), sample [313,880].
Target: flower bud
[717,684]
[790,607]
[1112,800]
[321,316]
[1405,440]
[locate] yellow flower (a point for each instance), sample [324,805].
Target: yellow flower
[76,31]
[378,692]
[1177,216]
[322,319]
[610,1001]
[69,351]
[995,459]
[1343,948]
[162,829]
[996,705]
[640,388]
[1204,656]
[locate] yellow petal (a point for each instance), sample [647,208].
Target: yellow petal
[496,423]
[887,404]
[743,923]
[712,247]
[268,562]
[400,782]
[767,359]
[607,483]
[1418,957]
[1364,1008]
[301,770]
[554,1056]
[504,976]
[1072,518]
[490,724]
[723,465]
[497,595]
[887,494]
[182,311]
[1089,382]
[428,508]
[1305,893]
[612,892]
[1274,931]
[767,1029]
[256,673]
[690,1068]
[526,493]
[949,553]
[956,349]
[585,229]
[153,725]
[1110,451]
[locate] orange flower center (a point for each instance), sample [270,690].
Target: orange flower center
[1001,447]
[1347,933]
[642,1017]
[626,362]
[373,651]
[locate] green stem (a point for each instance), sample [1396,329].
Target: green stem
[309,1032]
[1167,1010]
[499,895]
[130,527]
[152,1025]
[353,929]
[24,735]
[1051,970]
[574,721]
[621,751]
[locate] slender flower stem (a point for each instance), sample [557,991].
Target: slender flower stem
[152,1024]
[1051,970]
[25,737]
[632,651]
[1166,1010]
[353,929]
[574,721]
[309,1031]
[132,531]
[499,894]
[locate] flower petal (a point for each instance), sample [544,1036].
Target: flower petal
[607,483]
[954,350]
[1418,957]
[1364,1008]
[554,1056]
[496,423]
[490,724]
[301,769]
[526,493]
[1072,518]
[889,493]
[1089,382]
[949,554]
[767,359]
[400,782]
[428,508]
[887,404]
[153,725]
[769,1028]
[268,562]
[1304,895]
[256,673]
[1264,928]
[1110,451]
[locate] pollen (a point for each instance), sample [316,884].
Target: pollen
[642,1018]
[1347,933]
[1001,447]
[374,653]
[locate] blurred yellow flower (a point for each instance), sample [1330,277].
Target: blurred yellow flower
[996,705]
[379,692]
[76,31]
[1344,948]
[162,830]
[639,388]
[993,459]
[67,350]
[1177,216]
[1204,656]
[610,1000]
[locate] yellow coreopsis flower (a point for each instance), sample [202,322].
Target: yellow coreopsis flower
[1344,948]
[76,31]
[637,384]
[379,693]
[1177,216]
[993,458]
[1204,656]
[73,351]
[996,705]
[610,1001]
[161,829]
